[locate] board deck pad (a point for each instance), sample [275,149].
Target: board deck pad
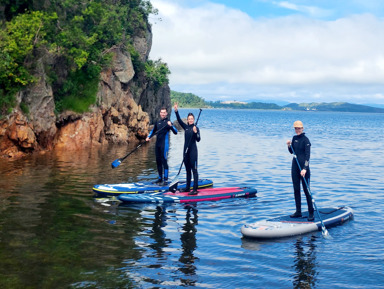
[143,187]
[210,194]
[285,226]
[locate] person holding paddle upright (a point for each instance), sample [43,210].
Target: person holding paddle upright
[191,136]
[300,147]
[162,128]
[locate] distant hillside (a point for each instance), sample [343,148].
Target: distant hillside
[250,105]
[187,99]
[192,100]
[334,106]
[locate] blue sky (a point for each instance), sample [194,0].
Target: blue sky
[273,51]
[324,9]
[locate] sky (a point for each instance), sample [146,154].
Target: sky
[273,51]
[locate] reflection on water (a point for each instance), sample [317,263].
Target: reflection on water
[304,273]
[158,235]
[188,245]
[53,234]
[305,264]
[160,248]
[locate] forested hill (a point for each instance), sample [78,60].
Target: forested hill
[191,100]
[76,74]
[72,42]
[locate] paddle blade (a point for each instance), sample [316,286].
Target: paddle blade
[173,185]
[326,235]
[116,163]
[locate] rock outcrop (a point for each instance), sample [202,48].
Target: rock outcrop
[126,104]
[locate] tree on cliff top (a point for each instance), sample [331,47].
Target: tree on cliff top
[78,34]
[187,99]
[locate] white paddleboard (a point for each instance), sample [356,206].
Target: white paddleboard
[285,226]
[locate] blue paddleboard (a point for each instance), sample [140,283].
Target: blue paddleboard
[142,187]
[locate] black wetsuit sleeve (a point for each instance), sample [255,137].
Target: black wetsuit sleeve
[174,129]
[290,147]
[302,147]
[198,138]
[307,152]
[153,131]
[182,124]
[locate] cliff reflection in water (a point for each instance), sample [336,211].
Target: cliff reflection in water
[52,232]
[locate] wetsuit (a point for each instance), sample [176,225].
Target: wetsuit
[302,148]
[190,157]
[162,146]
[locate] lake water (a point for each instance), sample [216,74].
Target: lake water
[54,234]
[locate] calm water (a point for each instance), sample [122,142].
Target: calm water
[53,234]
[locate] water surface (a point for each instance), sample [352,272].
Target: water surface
[53,234]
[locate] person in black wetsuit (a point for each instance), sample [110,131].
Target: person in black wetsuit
[302,147]
[162,128]
[191,136]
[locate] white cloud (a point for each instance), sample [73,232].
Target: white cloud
[212,47]
[310,10]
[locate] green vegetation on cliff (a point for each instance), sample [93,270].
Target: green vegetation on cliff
[18,37]
[78,36]
[157,72]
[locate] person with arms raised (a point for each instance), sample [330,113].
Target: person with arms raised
[190,155]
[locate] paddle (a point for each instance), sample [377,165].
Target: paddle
[175,181]
[323,229]
[118,161]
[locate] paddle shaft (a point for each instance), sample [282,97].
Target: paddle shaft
[310,194]
[131,152]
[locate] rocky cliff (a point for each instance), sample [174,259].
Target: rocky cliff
[126,104]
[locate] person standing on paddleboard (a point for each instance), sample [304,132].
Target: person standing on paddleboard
[191,136]
[302,148]
[162,127]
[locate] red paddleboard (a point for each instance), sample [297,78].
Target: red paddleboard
[212,194]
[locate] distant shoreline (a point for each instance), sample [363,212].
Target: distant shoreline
[285,109]
[189,100]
